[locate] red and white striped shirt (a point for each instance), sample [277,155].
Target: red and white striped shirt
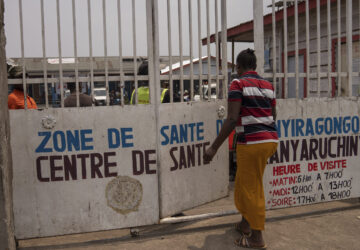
[256,123]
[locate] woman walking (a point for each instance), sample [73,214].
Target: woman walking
[252,112]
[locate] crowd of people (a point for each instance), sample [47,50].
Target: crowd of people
[16,99]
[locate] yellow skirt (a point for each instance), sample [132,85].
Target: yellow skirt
[249,190]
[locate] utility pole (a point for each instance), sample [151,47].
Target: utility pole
[7,238]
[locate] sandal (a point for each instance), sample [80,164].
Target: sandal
[238,228]
[244,242]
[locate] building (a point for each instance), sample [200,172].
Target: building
[244,32]
[176,70]
[35,70]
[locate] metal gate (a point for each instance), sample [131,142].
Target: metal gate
[310,51]
[124,164]
[94,168]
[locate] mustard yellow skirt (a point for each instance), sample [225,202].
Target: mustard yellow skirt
[249,190]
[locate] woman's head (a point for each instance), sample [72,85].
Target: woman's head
[245,61]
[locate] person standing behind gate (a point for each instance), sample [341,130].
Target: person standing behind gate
[70,101]
[252,112]
[143,89]
[16,98]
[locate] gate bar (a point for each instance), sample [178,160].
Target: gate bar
[349,45]
[318,47]
[297,94]
[134,51]
[105,54]
[232,56]
[170,220]
[191,53]
[154,79]
[44,53]
[150,55]
[122,85]
[217,48]
[208,48]
[75,54]
[339,46]
[22,52]
[224,46]
[112,78]
[259,34]
[329,45]
[170,52]
[307,48]
[285,51]
[200,52]
[181,53]
[60,54]
[91,51]
[274,46]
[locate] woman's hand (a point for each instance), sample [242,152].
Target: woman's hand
[228,126]
[209,154]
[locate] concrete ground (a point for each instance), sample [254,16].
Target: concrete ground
[332,225]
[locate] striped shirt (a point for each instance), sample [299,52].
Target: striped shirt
[256,123]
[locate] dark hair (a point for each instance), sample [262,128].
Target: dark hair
[71,86]
[143,68]
[19,87]
[246,59]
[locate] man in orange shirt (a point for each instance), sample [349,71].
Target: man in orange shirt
[16,98]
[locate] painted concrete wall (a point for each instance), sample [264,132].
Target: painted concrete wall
[186,180]
[90,169]
[318,155]
[114,183]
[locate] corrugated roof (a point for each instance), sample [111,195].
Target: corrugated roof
[176,66]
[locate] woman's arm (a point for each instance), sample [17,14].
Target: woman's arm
[274,112]
[227,128]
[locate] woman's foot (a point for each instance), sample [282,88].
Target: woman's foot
[254,241]
[243,227]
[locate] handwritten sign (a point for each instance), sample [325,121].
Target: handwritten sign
[318,156]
